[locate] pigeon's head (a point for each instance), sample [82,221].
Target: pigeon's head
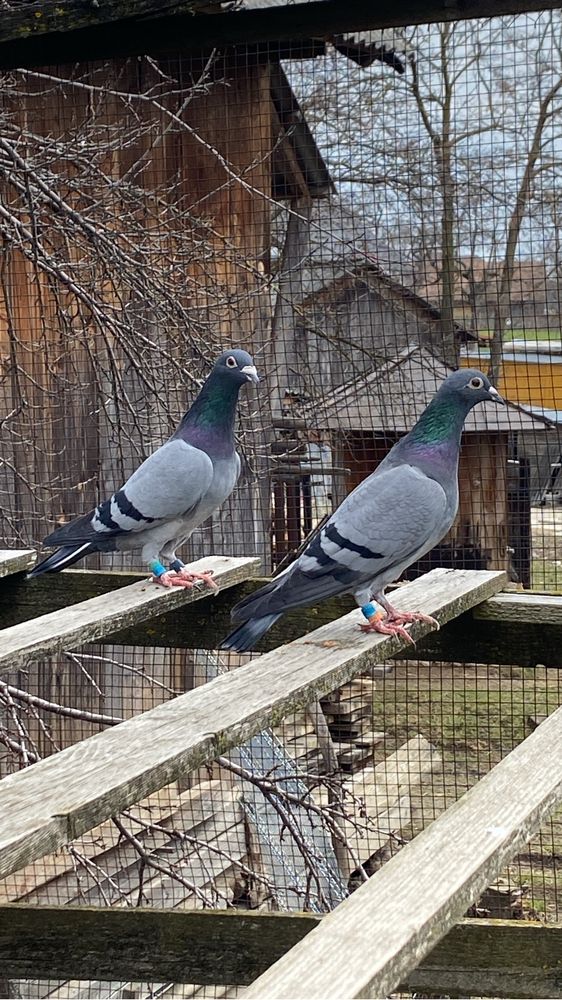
[471,386]
[237,367]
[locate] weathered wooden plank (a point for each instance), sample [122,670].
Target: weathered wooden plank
[467,640]
[374,939]
[187,627]
[101,616]
[16,561]
[59,798]
[525,609]
[495,958]
[526,632]
[500,958]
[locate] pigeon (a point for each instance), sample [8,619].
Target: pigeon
[177,488]
[396,515]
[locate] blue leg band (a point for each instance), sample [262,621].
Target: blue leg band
[176,565]
[369,610]
[156,567]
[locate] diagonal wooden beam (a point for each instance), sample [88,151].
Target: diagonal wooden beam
[371,943]
[99,617]
[54,801]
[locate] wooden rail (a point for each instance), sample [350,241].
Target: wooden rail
[515,627]
[522,628]
[16,561]
[373,940]
[101,616]
[499,958]
[47,805]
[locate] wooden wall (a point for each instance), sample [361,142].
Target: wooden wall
[178,188]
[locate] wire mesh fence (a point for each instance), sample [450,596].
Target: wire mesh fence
[362,216]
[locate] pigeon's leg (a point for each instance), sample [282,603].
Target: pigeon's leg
[377,622]
[177,575]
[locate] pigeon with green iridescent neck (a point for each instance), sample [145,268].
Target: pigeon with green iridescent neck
[396,515]
[177,488]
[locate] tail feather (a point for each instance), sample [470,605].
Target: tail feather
[246,636]
[62,558]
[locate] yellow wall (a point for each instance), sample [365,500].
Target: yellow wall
[523,380]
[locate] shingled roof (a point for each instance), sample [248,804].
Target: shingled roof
[391,398]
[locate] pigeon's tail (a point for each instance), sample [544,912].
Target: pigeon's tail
[246,636]
[62,558]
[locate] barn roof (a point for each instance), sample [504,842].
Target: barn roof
[343,249]
[391,398]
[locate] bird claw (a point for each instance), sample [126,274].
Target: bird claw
[387,628]
[194,578]
[185,578]
[394,623]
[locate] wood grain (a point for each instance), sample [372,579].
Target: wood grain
[16,561]
[101,616]
[501,958]
[47,805]
[526,609]
[374,939]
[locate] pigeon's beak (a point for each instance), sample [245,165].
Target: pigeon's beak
[251,374]
[494,394]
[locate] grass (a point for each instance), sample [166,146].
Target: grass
[524,335]
[475,715]
[546,575]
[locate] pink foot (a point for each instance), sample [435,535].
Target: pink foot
[394,622]
[387,628]
[206,577]
[184,578]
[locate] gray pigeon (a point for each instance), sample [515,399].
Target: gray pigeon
[173,491]
[390,520]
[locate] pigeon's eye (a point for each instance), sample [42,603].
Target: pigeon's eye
[476,383]
[231,362]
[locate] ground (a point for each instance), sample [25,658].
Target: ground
[475,715]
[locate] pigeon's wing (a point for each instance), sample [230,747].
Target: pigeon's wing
[169,484]
[388,521]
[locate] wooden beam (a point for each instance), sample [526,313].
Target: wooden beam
[45,806]
[373,940]
[187,627]
[494,958]
[500,958]
[101,616]
[475,638]
[185,32]
[520,628]
[522,609]
[16,561]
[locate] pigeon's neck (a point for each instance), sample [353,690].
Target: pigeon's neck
[433,444]
[440,424]
[209,423]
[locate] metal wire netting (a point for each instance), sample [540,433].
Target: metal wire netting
[363,215]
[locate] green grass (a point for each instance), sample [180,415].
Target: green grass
[524,335]
[546,575]
[475,716]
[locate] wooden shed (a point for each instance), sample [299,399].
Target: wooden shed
[360,421]
[151,184]
[347,300]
